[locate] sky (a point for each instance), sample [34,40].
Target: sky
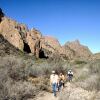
[66,20]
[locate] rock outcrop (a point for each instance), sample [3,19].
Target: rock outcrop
[19,35]
[9,31]
[51,45]
[7,49]
[96,56]
[32,41]
[76,50]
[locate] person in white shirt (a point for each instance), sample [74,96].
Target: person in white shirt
[70,75]
[54,80]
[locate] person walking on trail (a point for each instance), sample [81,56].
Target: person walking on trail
[70,75]
[61,81]
[54,79]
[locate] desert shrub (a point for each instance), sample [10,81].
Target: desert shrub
[82,72]
[76,94]
[95,67]
[80,78]
[80,62]
[89,79]
[3,91]
[98,84]
[44,84]
[16,69]
[21,90]
[40,71]
[44,68]
[97,97]
[36,70]
[14,73]
[13,76]
[60,66]
[90,83]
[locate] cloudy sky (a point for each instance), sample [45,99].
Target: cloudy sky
[66,20]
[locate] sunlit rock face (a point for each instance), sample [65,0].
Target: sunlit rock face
[32,41]
[75,49]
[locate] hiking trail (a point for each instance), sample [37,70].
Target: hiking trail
[70,91]
[49,96]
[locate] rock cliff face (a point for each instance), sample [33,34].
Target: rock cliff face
[51,45]
[76,50]
[32,41]
[9,31]
[19,35]
[7,49]
[96,56]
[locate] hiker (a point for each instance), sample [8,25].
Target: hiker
[61,81]
[70,75]
[54,79]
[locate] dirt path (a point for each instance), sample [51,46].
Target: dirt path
[49,96]
[70,92]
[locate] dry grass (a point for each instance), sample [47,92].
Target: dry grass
[88,76]
[13,79]
[15,73]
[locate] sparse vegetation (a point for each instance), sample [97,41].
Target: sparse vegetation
[22,76]
[95,70]
[80,62]
[13,75]
[88,76]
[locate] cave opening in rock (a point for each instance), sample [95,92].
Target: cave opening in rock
[26,48]
[42,54]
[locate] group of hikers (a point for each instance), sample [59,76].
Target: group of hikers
[58,81]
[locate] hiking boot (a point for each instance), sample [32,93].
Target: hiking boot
[55,95]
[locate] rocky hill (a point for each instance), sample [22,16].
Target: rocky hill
[24,77]
[32,41]
[76,50]
[96,56]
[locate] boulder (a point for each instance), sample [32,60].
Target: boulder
[8,30]
[50,45]
[35,34]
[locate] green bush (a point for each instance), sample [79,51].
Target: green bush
[80,62]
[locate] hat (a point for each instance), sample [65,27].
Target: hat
[53,72]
